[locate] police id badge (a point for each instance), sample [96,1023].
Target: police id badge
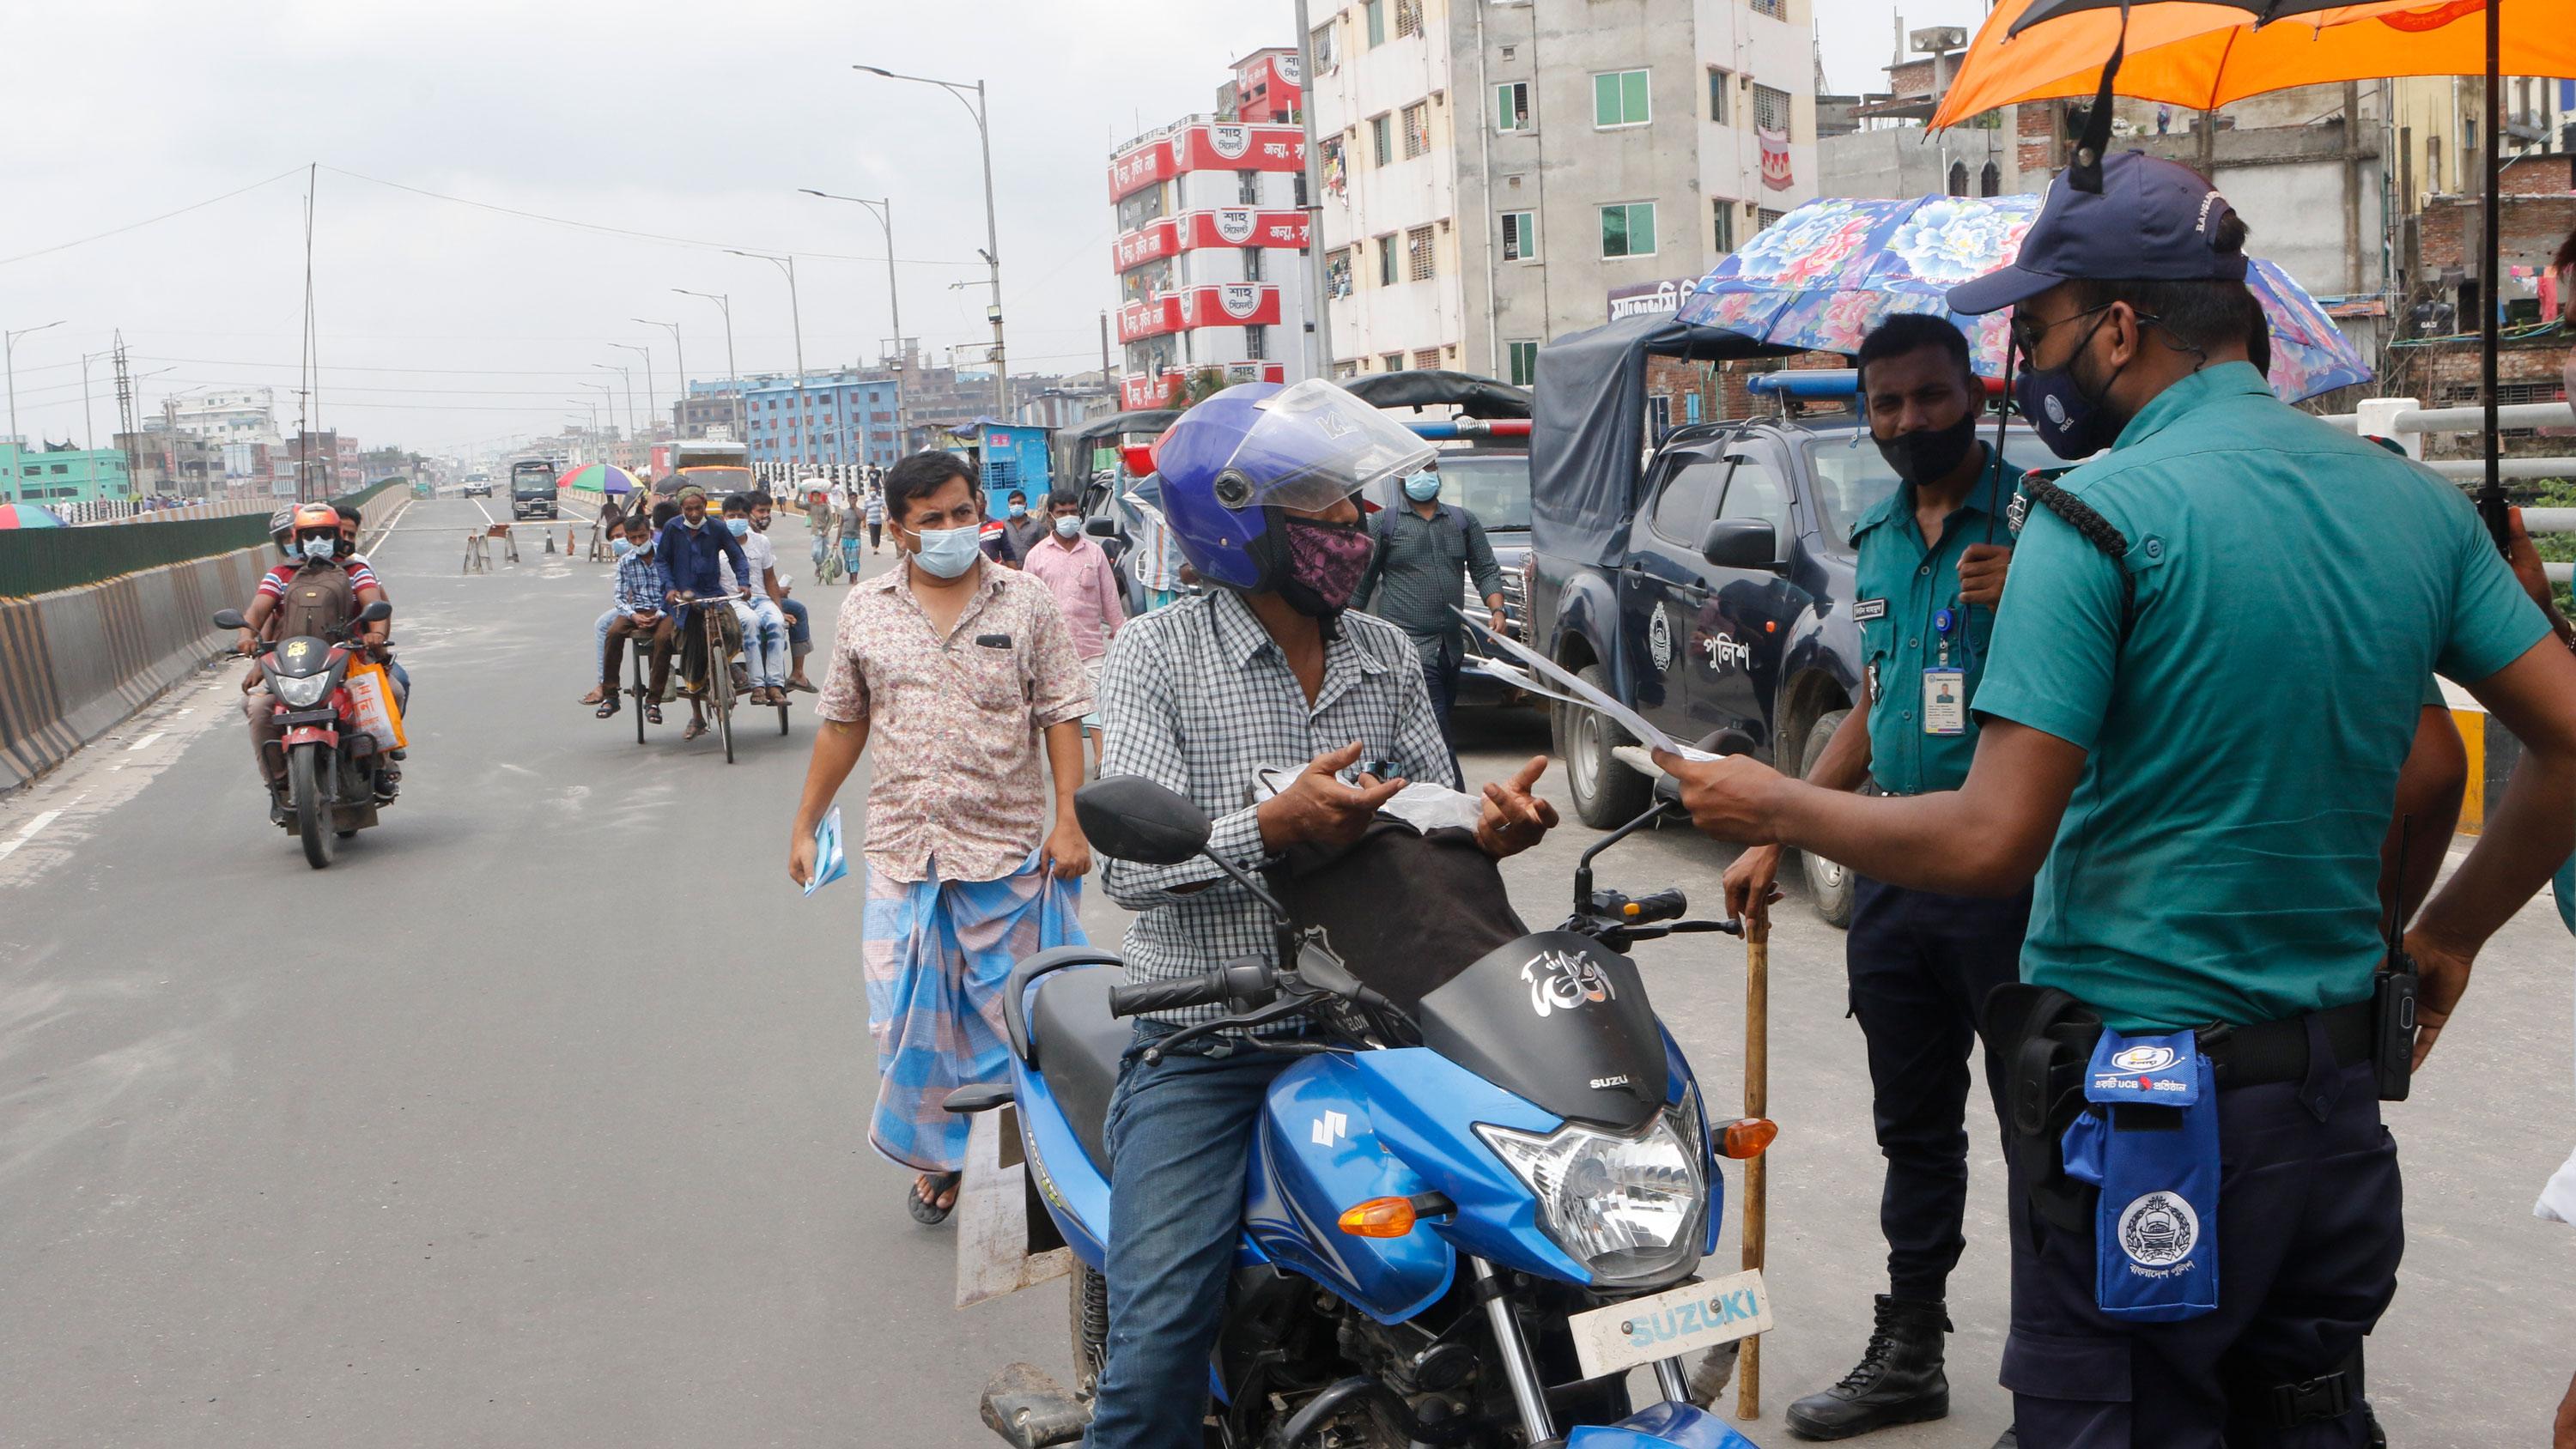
[2149,1140]
[1945,701]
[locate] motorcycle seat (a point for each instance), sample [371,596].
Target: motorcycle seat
[1079,1044]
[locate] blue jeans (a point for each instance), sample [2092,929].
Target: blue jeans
[764,644]
[1180,1133]
[800,625]
[599,643]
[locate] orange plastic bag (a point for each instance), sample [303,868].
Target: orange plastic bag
[373,694]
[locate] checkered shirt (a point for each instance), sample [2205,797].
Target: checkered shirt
[1196,697]
[639,582]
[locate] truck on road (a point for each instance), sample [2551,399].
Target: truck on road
[532,488]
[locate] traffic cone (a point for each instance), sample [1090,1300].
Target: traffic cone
[550,543]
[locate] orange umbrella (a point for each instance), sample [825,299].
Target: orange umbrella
[2205,55]
[2202,55]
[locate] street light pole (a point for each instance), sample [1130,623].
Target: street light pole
[9,362]
[651,404]
[627,376]
[608,401]
[678,354]
[992,231]
[883,211]
[796,319]
[733,375]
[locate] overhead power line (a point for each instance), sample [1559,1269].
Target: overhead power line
[149,220]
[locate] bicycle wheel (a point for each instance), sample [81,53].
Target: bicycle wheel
[719,681]
[638,690]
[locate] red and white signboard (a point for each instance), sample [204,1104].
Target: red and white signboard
[1150,318]
[1232,226]
[1208,146]
[1167,388]
[1228,304]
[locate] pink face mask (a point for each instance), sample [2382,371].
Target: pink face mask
[1325,561]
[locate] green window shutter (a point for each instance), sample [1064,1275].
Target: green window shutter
[1633,96]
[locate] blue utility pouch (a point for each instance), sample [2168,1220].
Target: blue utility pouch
[2148,1138]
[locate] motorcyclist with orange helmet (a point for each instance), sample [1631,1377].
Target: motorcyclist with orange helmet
[318,587]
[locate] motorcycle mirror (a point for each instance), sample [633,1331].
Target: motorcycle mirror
[230,619]
[1129,817]
[375,612]
[1101,527]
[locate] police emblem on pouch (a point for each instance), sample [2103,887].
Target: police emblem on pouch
[2145,1058]
[2159,1229]
[1563,980]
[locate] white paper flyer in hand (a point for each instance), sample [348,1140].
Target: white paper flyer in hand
[830,864]
[1574,691]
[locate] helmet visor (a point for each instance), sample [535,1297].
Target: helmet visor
[1313,446]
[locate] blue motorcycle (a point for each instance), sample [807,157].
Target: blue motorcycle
[1502,1189]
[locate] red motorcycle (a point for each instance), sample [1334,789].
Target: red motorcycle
[331,759]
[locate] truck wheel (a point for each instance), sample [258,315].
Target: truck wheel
[1828,884]
[1606,793]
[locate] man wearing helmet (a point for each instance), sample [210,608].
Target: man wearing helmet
[1262,669]
[321,585]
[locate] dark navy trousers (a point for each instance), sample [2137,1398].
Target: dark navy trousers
[1921,964]
[2310,1228]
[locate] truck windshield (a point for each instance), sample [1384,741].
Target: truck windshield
[1851,479]
[1495,488]
[532,478]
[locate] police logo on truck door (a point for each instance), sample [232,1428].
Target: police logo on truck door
[1659,642]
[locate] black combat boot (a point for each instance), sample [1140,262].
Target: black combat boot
[1898,1379]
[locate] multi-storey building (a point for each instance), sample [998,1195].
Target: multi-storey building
[47,474]
[223,415]
[832,417]
[1499,173]
[1210,239]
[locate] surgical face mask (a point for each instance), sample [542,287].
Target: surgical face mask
[1019,510]
[738,527]
[320,549]
[1325,561]
[2073,423]
[1422,487]
[1929,454]
[620,547]
[1068,528]
[945,553]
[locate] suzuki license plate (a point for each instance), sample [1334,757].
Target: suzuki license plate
[1677,1321]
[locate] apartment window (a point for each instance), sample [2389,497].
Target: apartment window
[1256,341]
[1392,362]
[1375,10]
[1524,363]
[1958,178]
[1770,108]
[1346,370]
[1719,83]
[1990,181]
[1619,99]
[1771,8]
[1426,357]
[1247,188]
[1417,129]
[1338,270]
[1722,234]
[1417,254]
[1386,260]
[1321,42]
[1763,219]
[1511,106]
[1408,17]
[1628,229]
[1252,264]
[1382,139]
[1520,236]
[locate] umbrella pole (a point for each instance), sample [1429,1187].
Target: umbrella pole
[2491,504]
[1757,1093]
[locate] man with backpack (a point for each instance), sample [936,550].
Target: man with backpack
[313,593]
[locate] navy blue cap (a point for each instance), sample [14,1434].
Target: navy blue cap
[2152,221]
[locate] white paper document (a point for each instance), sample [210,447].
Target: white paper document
[1574,691]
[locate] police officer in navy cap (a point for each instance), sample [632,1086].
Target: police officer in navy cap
[2191,733]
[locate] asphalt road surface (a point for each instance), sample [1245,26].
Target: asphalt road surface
[539,1118]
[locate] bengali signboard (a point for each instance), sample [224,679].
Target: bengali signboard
[1232,226]
[1208,146]
[1640,298]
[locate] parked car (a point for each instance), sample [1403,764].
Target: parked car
[1709,588]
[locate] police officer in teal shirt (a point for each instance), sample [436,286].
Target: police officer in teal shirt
[1933,557]
[2191,734]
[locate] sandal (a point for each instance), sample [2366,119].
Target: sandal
[653,714]
[928,1211]
[607,707]
[696,728]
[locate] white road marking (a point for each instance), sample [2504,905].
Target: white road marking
[147,739]
[10,846]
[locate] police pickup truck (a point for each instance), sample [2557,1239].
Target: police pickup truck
[1718,598]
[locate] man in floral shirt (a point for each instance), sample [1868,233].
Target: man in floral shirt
[957,668]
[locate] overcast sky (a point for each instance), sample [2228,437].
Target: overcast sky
[445,325]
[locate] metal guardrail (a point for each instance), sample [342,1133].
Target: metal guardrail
[2403,420]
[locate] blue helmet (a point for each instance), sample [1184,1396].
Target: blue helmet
[1259,446]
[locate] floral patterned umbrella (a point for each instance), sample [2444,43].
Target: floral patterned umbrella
[1825,274]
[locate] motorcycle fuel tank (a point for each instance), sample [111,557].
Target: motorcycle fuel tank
[1318,1155]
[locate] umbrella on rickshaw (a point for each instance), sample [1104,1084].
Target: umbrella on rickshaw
[28,515]
[2206,53]
[597,478]
[1821,277]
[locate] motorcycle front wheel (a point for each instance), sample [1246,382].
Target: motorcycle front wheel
[304,787]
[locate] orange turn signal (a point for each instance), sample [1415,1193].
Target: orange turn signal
[1380,1217]
[1747,1136]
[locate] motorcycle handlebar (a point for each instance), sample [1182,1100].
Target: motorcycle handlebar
[1144,996]
[1663,905]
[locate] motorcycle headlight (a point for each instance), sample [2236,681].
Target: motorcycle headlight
[1630,1207]
[303,693]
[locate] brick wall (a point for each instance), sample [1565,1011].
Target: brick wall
[2447,374]
[2036,140]
[2450,232]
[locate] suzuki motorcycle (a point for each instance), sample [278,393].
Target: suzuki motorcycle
[331,759]
[1466,1218]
